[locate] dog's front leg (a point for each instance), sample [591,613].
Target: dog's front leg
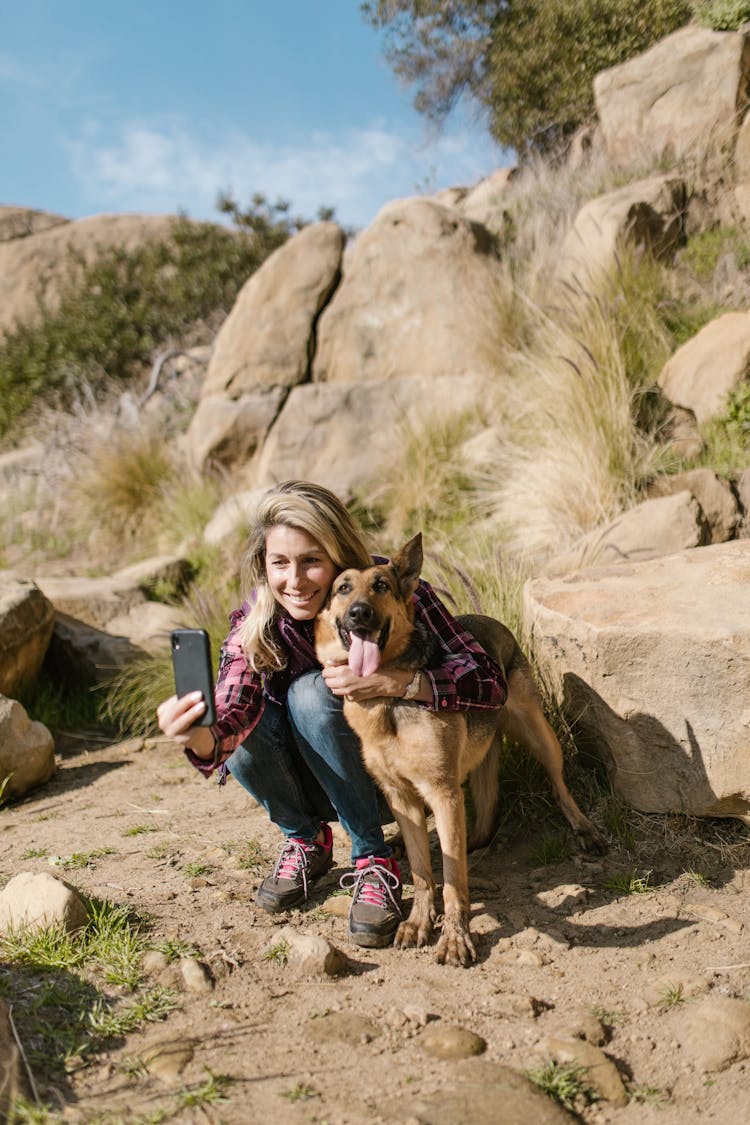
[416,930]
[455,946]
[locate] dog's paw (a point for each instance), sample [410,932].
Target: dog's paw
[455,946]
[591,839]
[411,935]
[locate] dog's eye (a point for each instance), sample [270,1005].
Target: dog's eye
[380,586]
[344,588]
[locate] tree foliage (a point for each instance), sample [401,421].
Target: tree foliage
[529,64]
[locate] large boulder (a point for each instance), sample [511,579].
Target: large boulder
[37,265]
[648,213]
[662,525]
[650,661]
[26,621]
[343,435]
[225,432]
[702,373]
[714,494]
[416,298]
[686,92]
[27,750]
[268,338]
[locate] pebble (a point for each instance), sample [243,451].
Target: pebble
[449,1042]
[195,975]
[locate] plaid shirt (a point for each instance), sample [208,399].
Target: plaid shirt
[462,677]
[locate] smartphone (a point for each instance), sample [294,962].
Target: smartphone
[193,671]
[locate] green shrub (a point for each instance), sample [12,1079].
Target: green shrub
[721,15]
[113,313]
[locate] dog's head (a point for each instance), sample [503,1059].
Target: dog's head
[369,614]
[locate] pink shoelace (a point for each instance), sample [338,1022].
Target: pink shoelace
[292,863]
[373,884]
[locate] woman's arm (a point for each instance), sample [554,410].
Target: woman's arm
[464,676]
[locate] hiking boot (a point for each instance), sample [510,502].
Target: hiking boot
[375,912]
[299,864]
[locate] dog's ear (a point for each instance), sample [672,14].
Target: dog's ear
[408,565]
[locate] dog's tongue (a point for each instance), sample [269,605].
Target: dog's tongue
[364,655]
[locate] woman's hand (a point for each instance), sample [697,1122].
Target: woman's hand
[386,681]
[177,717]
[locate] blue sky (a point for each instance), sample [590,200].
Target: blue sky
[155,107]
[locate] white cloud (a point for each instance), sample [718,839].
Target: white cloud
[165,167]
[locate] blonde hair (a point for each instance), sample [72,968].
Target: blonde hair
[310,508]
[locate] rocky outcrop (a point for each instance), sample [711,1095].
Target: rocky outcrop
[416,298]
[651,661]
[648,214]
[26,620]
[27,751]
[687,92]
[701,374]
[715,496]
[268,338]
[656,527]
[37,265]
[342,434]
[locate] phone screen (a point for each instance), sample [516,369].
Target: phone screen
[193,670]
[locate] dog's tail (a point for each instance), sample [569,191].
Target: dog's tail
[484,783]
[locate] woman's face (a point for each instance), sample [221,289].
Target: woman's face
[299,571]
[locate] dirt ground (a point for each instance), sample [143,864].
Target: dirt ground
[561,953]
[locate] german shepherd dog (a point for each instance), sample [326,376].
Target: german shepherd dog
[419,756]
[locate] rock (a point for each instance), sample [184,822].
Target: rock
[85,655]
[487,201]
[27,750]
[268,338]
[26,621]
[14,1082]
[601,1072]
[679,96]
[343,1027]
[650,662]
[715,496]
[154,962]
[310,954]
[656,527]
[341,434]
[227,432]
[145,627]
[40,900]
[235,514]
[338,905]
[167,1057]
[648,213]
[38,264]
[679,986]
[701,374]
[195,975]
[20,222]
[713,1032]
[416,298]
[446,1042]
[567,897]
[488,1094]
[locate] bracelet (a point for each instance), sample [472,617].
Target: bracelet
[411,690]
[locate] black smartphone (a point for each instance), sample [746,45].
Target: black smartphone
[193,671]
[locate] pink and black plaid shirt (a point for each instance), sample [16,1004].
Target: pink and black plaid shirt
[462,677]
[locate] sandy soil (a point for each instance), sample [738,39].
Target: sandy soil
[560,954]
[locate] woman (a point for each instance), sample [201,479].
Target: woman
[280,729]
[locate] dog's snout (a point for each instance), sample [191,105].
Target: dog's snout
[360,615]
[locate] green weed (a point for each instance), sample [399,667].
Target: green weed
[76,860]
[211,1091]
[671,995]
[629,883]
[566,1083]
[140,830]
[551,848]
[197,867]
[302,1092]
[278,953]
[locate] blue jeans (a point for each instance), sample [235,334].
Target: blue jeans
[302,762]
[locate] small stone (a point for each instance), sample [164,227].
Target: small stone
[195,976]
[601,1072]
[338,905]
[40,900]
[452,1042]
[568,896]
[310,954]
[154,962]
[167,1058]
[528,957]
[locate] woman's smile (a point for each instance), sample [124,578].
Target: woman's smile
[299,571]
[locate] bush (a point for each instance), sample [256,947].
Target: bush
[721,15]
[114,313]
